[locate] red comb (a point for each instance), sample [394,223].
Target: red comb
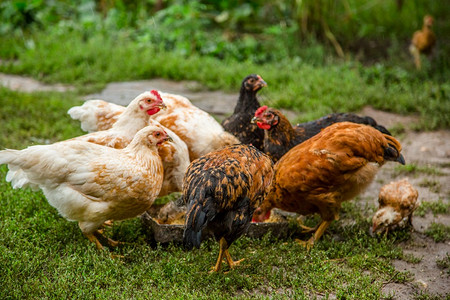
[260,110]
[158,96]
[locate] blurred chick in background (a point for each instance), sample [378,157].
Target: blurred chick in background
[423,41]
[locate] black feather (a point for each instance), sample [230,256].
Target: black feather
[282,136]
[239,123]
[218,190]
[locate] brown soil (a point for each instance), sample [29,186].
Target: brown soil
[424,149]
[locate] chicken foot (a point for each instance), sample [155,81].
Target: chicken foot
[93,237]
[223,245]
[319,232]
[108,223]
[232,263]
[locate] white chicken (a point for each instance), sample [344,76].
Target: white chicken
[135,116]
[96,115]
[397,202]
[199,130]
[175,160]
[90,183]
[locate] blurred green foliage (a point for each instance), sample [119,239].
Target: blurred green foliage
[257,30]
[292,44]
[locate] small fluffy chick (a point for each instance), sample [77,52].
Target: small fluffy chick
[397,201]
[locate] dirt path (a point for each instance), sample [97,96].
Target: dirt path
[429,150]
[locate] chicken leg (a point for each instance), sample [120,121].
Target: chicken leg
[305,228]
[416,54]
[223,246]
[224,252]
[319,232]
[91,237]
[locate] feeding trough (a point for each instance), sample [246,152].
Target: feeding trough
[172,231]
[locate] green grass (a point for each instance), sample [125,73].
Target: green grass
[45,256]
[438,232]
[89,62]
[438,207]
[413,169]
[444,263]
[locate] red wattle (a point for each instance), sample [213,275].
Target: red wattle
[153,111]
[263,125]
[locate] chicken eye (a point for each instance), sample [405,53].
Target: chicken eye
[149,100]
[157,134]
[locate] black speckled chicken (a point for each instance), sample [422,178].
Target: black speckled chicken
[222,189]
[239,123]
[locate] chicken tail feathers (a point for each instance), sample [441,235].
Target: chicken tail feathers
[362,120]
[382,129]
[7,156]
[196,220]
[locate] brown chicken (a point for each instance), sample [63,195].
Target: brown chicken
[334,166]
[222,189]
[397,202]
[280,136]
[423,41]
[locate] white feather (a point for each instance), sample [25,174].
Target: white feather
[90,183]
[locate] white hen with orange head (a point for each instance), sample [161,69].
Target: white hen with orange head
[198,129]
[90,183]
[131,120]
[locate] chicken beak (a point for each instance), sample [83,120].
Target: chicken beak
[168,139]
[162,106]
[401,159]
[254,119]
[260,84]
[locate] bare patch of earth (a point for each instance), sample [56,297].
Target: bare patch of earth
[26,84]
[430,150]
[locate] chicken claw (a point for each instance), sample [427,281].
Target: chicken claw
[231,262]
[307,229]
[317,235]
[91,237]
[306,244]
[108,223]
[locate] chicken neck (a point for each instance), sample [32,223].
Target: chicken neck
[247,102]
